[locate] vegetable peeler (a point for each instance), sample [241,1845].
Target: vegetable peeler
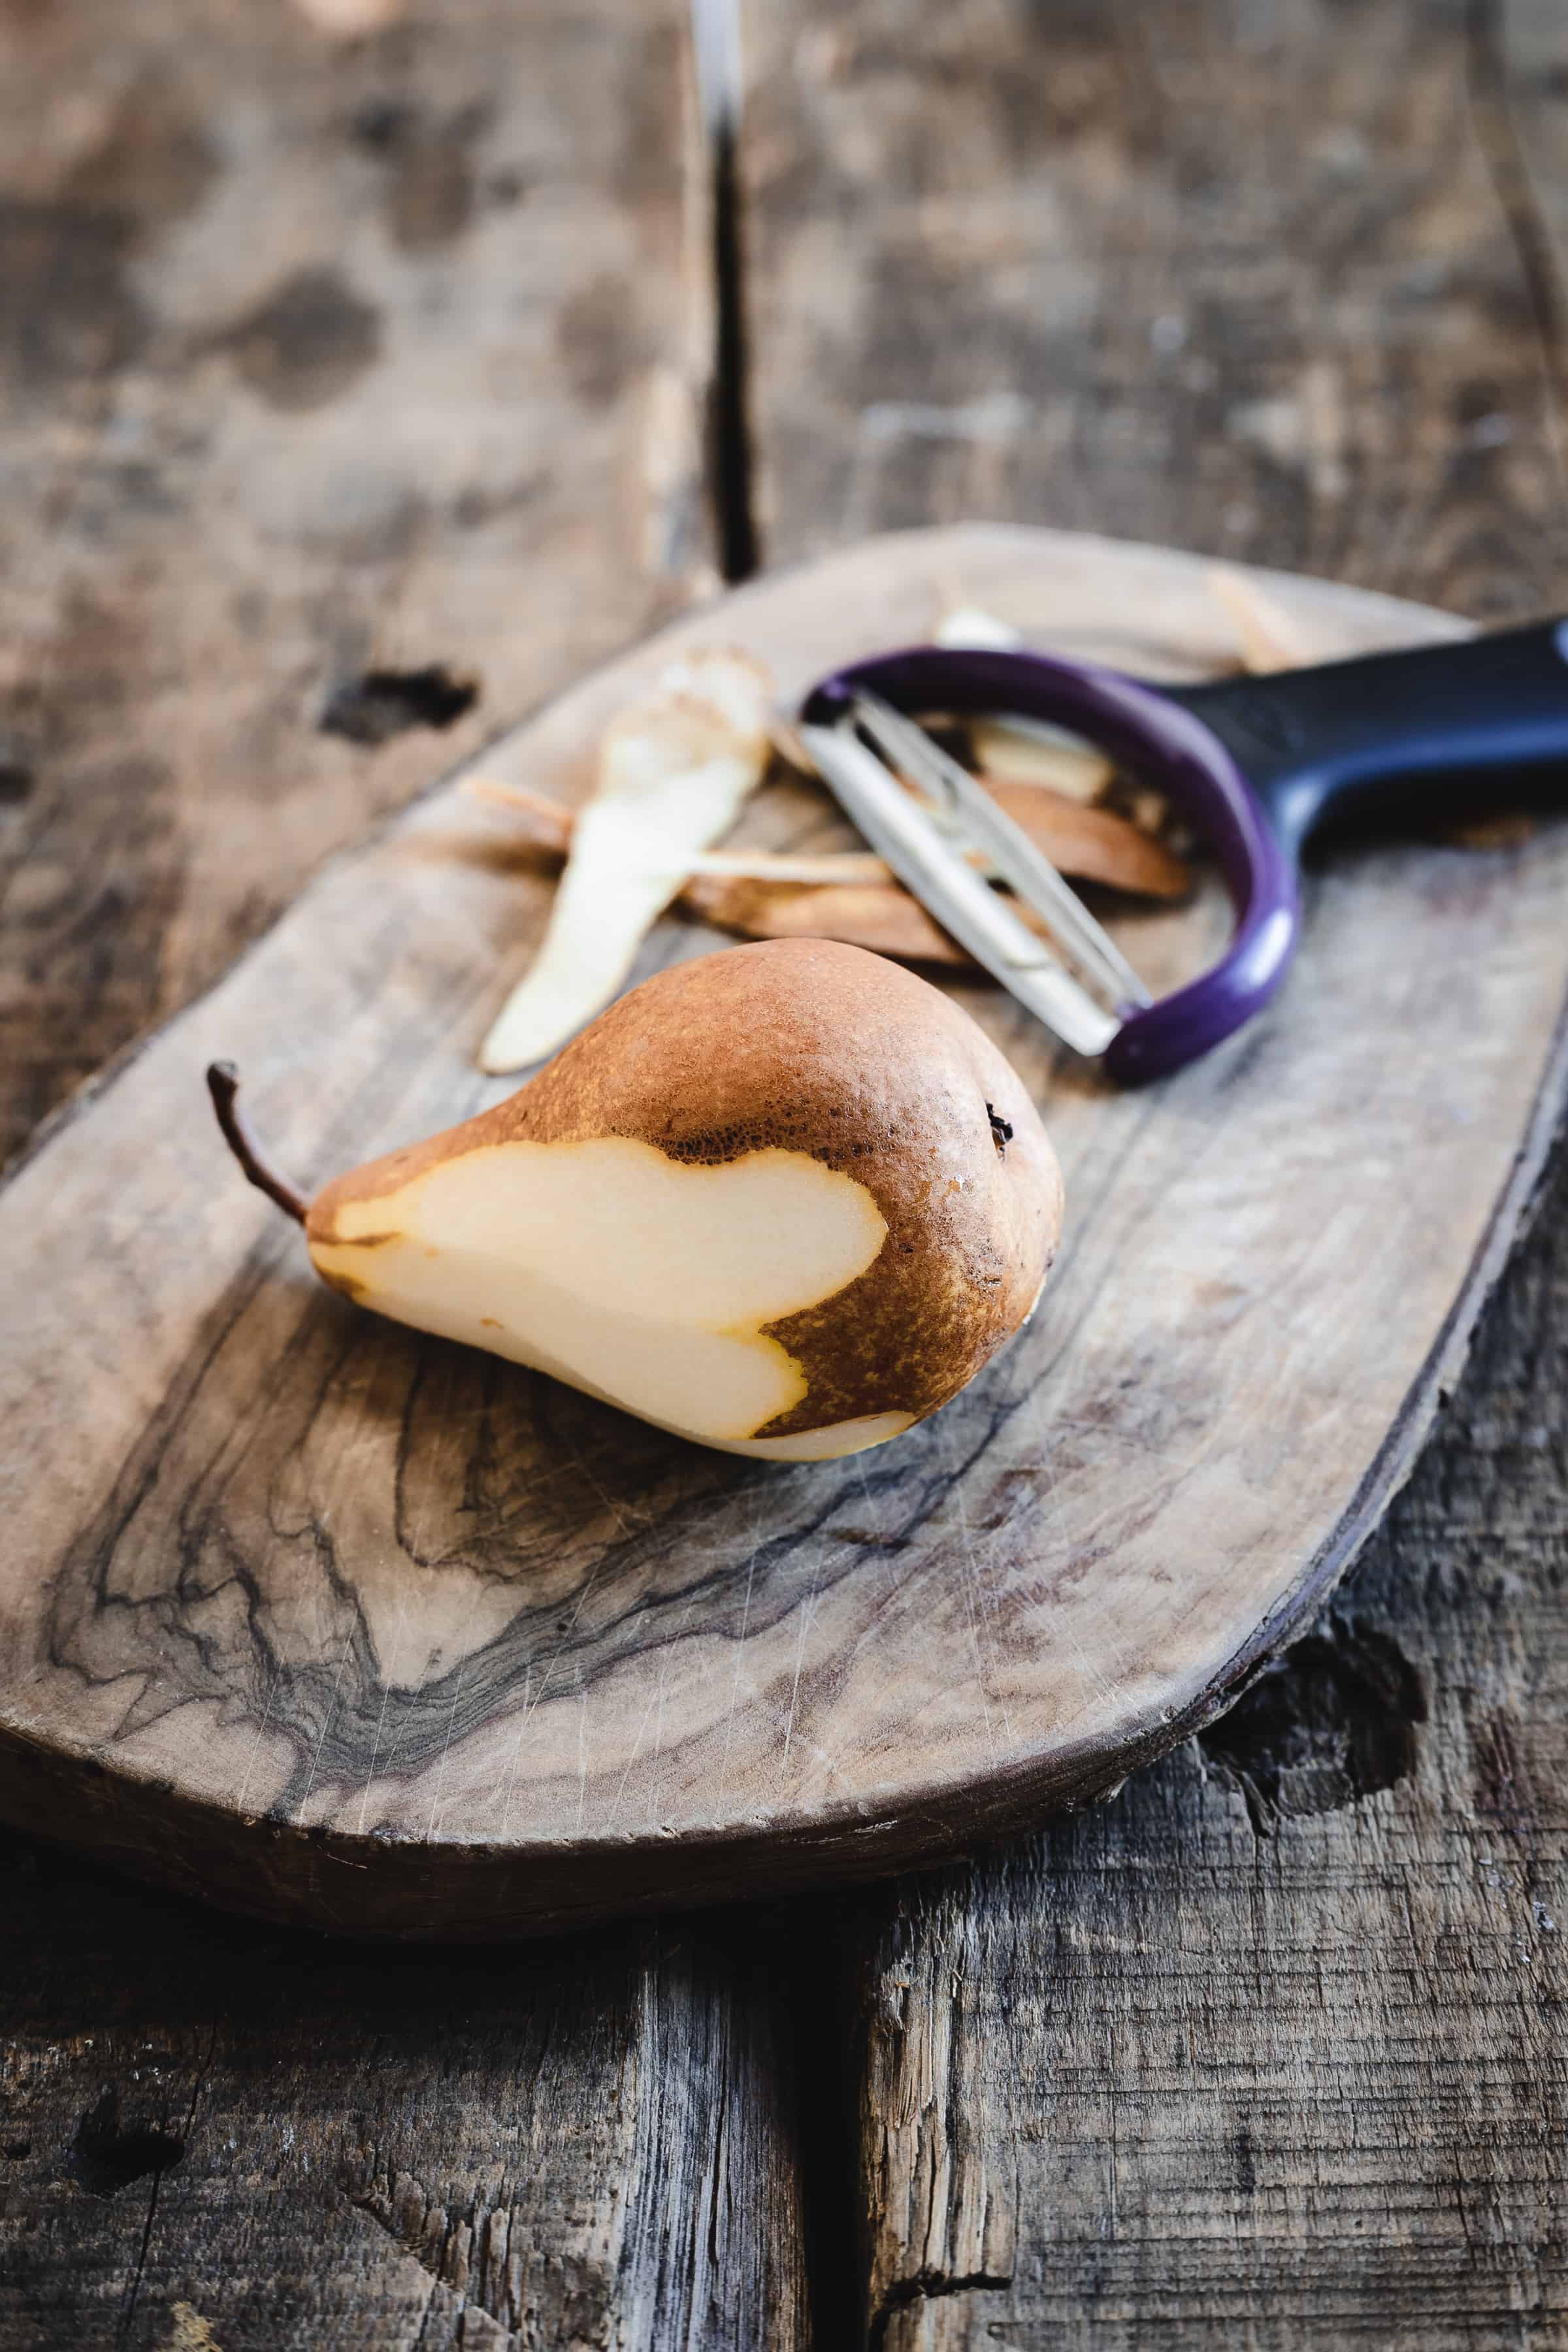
[1253,764]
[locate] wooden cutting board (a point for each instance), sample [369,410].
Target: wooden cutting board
[331,1621]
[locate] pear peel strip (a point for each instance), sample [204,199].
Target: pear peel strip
[547,827]
[1268,637]
[674,774]
[1093,844]
[1005,749]
[1021,750]
[835,867]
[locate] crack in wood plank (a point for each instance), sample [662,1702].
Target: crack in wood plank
[1508,161]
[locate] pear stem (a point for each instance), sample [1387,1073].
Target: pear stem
[223,1084]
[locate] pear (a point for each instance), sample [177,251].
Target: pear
[785,1199]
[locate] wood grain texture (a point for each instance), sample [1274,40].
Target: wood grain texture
[319,359]
[1268,2050]
[294,2144]
[313,358]
[335,1621]
[1449,505]
[1229,277]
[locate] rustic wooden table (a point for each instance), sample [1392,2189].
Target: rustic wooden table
[331,364]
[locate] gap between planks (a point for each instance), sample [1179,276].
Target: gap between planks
[729,457]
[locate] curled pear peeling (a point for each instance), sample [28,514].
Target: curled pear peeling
[785,1200]
[674,774]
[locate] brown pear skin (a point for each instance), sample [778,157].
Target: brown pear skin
[856,1108]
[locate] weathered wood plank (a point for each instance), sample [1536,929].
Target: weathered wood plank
[318,357]
[301,2144]
[1231,279]
[1270,2047]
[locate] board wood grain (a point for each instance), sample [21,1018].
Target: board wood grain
[330,1619]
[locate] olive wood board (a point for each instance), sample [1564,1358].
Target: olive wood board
[331,1621]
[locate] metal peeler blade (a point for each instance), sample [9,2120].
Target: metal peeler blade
[1157,735]
[1075,980]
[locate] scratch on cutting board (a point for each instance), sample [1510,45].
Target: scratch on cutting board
[508,1778]
[740,1655]
[968,1570]
[417,1692]
[316,1753]
[631,1759]
[807,1612]
[380,1719]
[279,1664]
[581,1752]
[530,1702]
[661,1693]
[464,1658]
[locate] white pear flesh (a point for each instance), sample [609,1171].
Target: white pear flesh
[643,1280]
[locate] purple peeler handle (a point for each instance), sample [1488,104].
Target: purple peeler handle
[1167,747]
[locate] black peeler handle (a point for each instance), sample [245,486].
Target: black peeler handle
[1366,731]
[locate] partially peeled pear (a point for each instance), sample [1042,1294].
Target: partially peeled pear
[785,1199]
